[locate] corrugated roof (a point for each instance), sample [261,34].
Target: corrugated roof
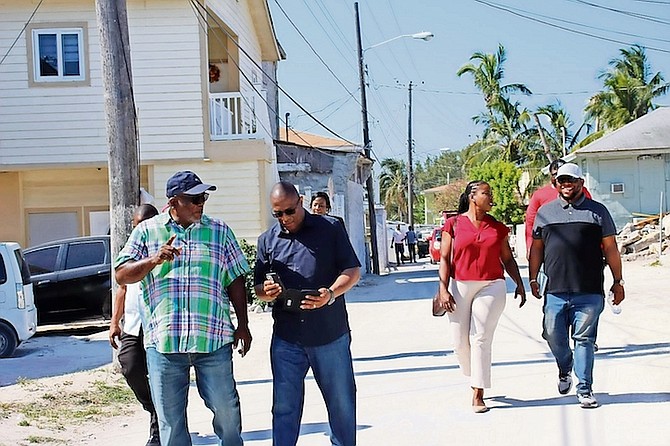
[651,131]
[323,142]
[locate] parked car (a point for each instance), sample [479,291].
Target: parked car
[18,316]
[434,240]
[71,278]
[422,242]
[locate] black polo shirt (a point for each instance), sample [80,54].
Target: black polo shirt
[311,258]
[572,234]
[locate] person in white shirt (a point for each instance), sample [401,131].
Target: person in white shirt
[132,356]
[398,238]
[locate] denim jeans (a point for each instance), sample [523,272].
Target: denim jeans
[334,374]
[169,376]
[579,314]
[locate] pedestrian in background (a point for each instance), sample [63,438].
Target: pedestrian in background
[399,247]
[191,269]
[320,205]
[132,356]
[410,237]
[312,254]
[473,253]
[571,235]
[542,196]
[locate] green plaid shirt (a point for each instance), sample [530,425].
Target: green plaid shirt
[187,302]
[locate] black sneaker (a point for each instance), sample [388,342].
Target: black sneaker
[587,400]
[154,441]
[564,384]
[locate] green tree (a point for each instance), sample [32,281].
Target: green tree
[506,134]
[503,176]
[629,89]
[488,73]
[393,188]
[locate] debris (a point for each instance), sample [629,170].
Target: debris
[643,237]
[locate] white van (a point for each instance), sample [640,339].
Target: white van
[18,315]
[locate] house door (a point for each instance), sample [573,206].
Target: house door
[652,182]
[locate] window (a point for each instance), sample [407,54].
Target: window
[43,260]
[58,55]
[85,254]
[3,271]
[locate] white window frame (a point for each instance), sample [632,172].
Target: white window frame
[79,32]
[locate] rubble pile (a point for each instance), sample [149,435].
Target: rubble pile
[644,238]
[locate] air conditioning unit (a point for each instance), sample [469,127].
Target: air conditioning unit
[617,188]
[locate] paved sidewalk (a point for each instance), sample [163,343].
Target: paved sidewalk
[411,392]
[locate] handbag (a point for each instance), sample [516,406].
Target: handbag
[438,311]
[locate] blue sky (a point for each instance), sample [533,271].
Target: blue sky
[553,63]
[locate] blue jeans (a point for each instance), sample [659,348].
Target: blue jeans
[579,314]
[169,377]
[334,374]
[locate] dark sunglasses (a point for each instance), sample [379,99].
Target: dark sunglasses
[290,211]
[196,199]
[567,179]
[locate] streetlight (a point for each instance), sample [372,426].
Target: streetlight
[369,183]
[423,35]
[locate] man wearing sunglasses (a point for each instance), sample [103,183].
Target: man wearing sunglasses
[313,258]
[191,269]
[571,235]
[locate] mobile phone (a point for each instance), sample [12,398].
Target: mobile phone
[310,292]
[274,277]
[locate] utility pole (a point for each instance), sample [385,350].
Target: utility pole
[410,169]
[123,157]
[369,183]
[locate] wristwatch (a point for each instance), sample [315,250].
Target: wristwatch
[620,282]
[331,301]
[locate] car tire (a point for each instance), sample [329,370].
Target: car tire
[8,341]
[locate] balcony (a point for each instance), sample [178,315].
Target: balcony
[233,115]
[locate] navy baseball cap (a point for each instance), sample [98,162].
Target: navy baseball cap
[186,182]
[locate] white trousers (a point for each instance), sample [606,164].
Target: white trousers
[479,305]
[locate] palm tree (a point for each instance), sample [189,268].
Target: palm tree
[629,90]
[506,133]
[488,75]
[393,188]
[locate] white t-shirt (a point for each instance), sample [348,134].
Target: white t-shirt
[132,321]
[398,237]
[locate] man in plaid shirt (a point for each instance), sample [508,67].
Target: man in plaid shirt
[191,269]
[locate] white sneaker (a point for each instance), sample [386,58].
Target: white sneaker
[564,384]
[587,400]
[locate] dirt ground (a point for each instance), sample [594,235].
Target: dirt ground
[73,408]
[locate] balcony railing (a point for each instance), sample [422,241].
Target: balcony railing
[233,116]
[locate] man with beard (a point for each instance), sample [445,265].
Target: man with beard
[192,269]
[571,235]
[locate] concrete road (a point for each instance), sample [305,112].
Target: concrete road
[411,392]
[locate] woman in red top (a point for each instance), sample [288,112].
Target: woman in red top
[472,283]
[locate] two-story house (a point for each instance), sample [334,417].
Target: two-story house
[203,82]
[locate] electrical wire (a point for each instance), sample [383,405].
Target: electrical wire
[11,47]
[636,15]
[204,25]
[553,25]
[196,5]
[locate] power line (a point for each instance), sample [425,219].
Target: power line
[204,26]
[553,25]
[636,15]
[11,47]
[196,5]
[316,52]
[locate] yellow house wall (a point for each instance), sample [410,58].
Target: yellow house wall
[11,228]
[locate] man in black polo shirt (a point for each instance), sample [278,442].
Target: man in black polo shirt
[314,261]
[571,235]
